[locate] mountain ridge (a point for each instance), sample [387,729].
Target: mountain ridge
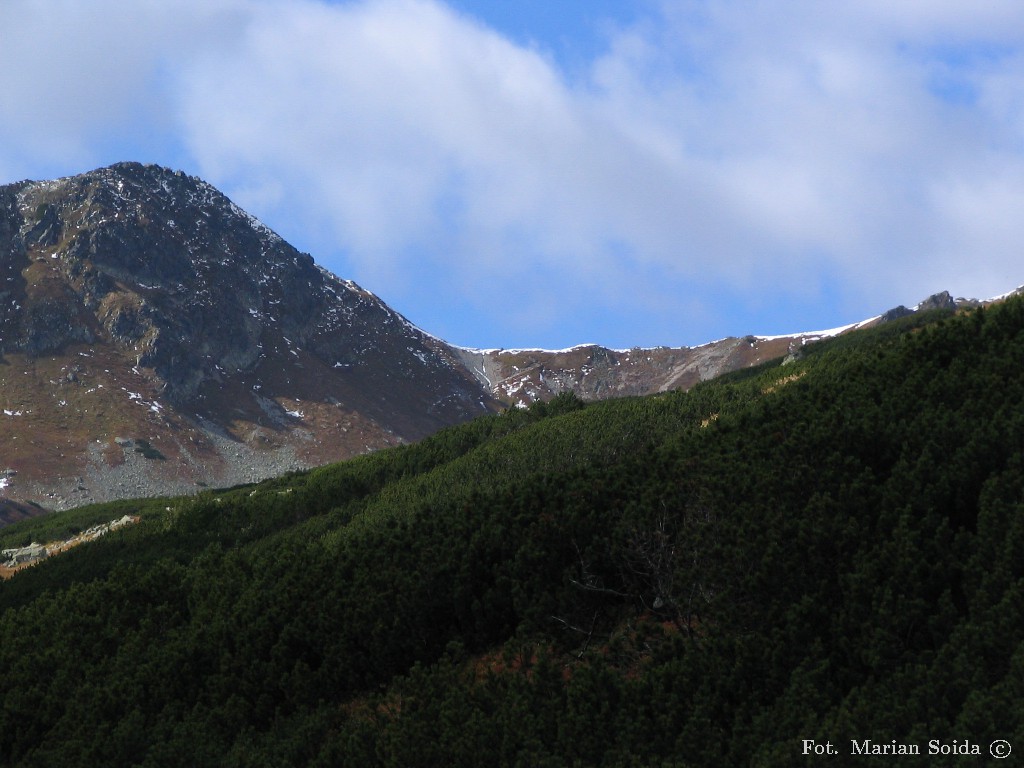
[156,338]
[523,375]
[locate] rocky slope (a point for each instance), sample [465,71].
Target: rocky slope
[594,372]
[156,339]
[153,337]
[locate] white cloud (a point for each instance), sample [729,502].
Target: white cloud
[385,111]
[759,145]
[82,78]
[823,122]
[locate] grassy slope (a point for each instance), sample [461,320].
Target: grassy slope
[835,555]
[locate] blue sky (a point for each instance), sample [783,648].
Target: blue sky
[627,172]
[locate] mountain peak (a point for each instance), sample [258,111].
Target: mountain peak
[151,284]
[155,261]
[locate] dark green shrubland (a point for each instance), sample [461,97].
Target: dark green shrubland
[831,549]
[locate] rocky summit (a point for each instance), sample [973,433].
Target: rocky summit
[156,339]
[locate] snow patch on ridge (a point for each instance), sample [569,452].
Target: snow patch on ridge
[527,350]
[814,335]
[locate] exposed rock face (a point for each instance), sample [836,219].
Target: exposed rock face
[594,372]
[943,300]
[147,296]
[524,375]
[171,272]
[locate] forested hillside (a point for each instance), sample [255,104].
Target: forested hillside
[831,549]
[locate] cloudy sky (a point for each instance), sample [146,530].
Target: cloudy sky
[538,173]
